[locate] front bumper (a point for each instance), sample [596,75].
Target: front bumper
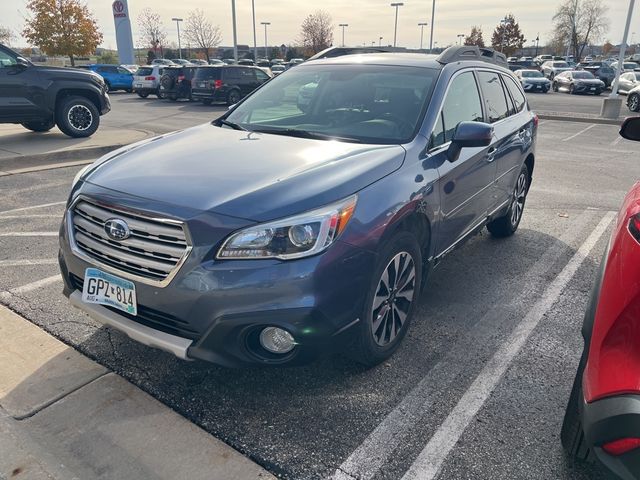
[595,89]
[536,87]
[215,310]
[609,420]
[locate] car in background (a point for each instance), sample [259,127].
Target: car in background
[131,68]
[525,59]
[512,59]
[602,72]
[543,58]
[181,61]
[246,61]
[175,82]
[533,81]
[162,61]
[271,236]
[41,97]
[551,68]
[633,99]
[229,61]
[577,81]
[588,58]
[263,63]
[216,61]
[115,76]
[278,69]
[146,80]
[198,61]
[296,61]
[602,420]
[276,61]
[626,66]
[628,81]
[227,84]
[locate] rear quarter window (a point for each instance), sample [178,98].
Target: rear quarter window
[518,97]
[495,100]
[208,73]
[144,71]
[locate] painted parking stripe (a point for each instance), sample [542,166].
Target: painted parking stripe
[579,133]
[21,217]
[368,458]
[432,457]
[26,263]
[29,287]
[22,209]
[29,234]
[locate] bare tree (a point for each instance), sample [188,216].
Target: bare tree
[6,35]
[317,32]
[199,31]
[580,22]
[151,30]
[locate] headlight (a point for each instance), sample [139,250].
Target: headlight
[76,179]
[293,237]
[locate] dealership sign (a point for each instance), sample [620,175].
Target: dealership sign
[118,9]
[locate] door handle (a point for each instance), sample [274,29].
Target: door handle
[491,154]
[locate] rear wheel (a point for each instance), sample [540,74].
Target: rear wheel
[206,101]
[77,117]
[143,94]
[507,225]
[571,89]
[391,301]
[555,87]
[233,97]
[128,90]
[633,102]
[40,125]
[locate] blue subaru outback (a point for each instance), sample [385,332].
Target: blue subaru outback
[285,229]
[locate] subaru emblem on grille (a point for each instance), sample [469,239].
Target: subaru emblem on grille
[117,229]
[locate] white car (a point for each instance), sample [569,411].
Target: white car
[552,68]
[278,68]
[146,80]
[626,66]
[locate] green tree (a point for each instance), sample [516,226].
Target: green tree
[507,36]
[62,27]
[475,37]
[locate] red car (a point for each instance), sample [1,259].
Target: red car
[602,421]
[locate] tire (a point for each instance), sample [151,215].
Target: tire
[206,101]
[77,117]
[158,94]
[555,87]
[572,435]
[506,225]
[143,94]
[173,98]
[233,97]
[40,126]
[128,90]
[633,102]
[571,90]
[107,87]
[374,344]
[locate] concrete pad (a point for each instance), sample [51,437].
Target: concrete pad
[112,429]
[35,368]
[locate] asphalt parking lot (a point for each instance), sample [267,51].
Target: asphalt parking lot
[477,390]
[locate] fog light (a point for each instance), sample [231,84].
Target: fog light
[276,340]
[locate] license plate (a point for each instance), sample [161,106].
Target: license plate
[593,88]
[138,85]
[202,84]
[106,289]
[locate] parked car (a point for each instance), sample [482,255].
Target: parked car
[577,81]
[229,61]
[525,59]
[227,84]
[115,76]
[246,61]
[147,80]
[40,97]
[533,81]
[628,81]
[278,69]
[633,99]
[602,421]
[512,59]
[198,61]
[263,64]
[604,73]
[626,66]
[162,61]
[302,233]
[131,68]
[275,61]
[543,58]
[216,61]
[181,61]
[551,68]
[296,61]
[175,82]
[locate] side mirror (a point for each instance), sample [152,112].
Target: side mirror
[630,129]
[20,66]
[470,135]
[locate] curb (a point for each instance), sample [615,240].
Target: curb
[566,118]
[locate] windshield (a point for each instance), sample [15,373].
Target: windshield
[360,103]
[630,66]
[560,64]
[531,74]
[583,75]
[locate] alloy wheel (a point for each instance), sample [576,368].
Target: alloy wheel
[519,195]
[393,298]
[634,103]
[80,117]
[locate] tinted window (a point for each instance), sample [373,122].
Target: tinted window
[560,64]
[262,77]
[583,75]
[107,69]
[519,100]
[123,71]
[6,60]
[208,73]
[462,104]
[531,74]
[494,96]
[144,71]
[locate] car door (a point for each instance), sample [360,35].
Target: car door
[125,78]
[466,185]
[17,100]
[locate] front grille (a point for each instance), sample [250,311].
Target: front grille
[154,250]
[149,317]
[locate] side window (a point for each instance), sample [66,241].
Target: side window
[123,71]
[495,100]
[6,60]
[262,77]
[462,104]
[516,94]
[231,75]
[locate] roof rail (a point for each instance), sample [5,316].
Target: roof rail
[472,52]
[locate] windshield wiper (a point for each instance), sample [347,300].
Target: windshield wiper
[235,126]
[292,132]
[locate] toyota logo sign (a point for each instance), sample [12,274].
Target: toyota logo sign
[118,9]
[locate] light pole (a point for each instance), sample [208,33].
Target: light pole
[178,20]
[255,43]
[422,25]
[504,23]
[461,36]
[266,54]
[380,41]
[433,14]
[235,33]
[395,30]
[343,25]
[537,42]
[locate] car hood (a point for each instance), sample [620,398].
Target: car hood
[588,81]
[247,175]
[64,72]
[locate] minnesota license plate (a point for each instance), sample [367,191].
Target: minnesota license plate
[106,289]
[138,85]
[593,88]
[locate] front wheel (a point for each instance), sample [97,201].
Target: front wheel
[77,117]
[40,125]
[143,94]
[507,224]
[555,87]
[571,89]
[233,97]
[633,102]
[391,301]
[206,101]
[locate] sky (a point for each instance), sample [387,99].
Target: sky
[368,19]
